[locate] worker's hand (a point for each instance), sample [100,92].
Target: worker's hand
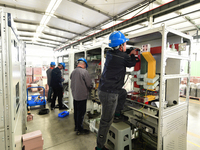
[133,52]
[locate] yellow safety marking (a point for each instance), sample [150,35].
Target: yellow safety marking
[151,65]
[193,134]
[193,143]
[192,101]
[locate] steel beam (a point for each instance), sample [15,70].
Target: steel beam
[46,43]
[157,12]
[22,30]
[179,13]
[39,45]
[45,33]
[28,36]
[63,30]
[26,22]
[51,27]
[50,40]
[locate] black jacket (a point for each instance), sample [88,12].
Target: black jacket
[56,78]
[112,79]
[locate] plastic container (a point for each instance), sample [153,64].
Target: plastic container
[63,114]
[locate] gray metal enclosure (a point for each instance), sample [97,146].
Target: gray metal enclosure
[169,123]
[12,86]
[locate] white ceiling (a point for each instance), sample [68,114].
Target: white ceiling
[76,19]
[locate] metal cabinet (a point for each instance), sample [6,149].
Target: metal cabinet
[168,121]
[12,85]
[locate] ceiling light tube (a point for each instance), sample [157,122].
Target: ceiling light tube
[50,6]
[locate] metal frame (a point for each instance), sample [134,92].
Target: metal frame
[12,70]
[157,12]
[181,109]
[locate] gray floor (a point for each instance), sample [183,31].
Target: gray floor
[58,133]
[193,138]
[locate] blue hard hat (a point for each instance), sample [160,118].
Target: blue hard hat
[83,59]
[63,64]
[117,38]
[52,63]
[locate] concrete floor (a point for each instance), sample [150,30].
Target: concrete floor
[58,133]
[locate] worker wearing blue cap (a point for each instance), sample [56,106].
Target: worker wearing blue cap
[81,83]
[52,66]
[111,94]
[56,84]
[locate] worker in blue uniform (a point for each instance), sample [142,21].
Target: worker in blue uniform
[81,83]
[111,94]
[56,84]
[52,66]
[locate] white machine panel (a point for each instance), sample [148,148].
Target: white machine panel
[1,97]
[2,141]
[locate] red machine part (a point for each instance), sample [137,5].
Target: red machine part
[157,50]
[137,68]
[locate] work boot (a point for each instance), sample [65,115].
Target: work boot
[118,119]
[84,131]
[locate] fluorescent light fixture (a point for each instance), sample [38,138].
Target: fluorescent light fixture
[53,5]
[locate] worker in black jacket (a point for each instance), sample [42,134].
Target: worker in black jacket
[50,91]
[56,84]
[110,91]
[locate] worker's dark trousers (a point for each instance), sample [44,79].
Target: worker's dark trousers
[49,99]
[57,92]
[79,112]
[111,103]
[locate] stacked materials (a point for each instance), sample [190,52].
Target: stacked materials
[198,89]
[193,89]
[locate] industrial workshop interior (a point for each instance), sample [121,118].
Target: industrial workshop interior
[155,43]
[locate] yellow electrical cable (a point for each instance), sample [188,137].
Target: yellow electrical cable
[144,103]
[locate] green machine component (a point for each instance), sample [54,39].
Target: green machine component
[144,67]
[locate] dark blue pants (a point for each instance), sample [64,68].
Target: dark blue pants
[57,92]
[79,112]
[49,99]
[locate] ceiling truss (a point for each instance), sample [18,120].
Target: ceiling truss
[157,12]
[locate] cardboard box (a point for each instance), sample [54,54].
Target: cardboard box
[36,77]
[29,117]
[29,71]
[28,79]
[33,140]
[37,71]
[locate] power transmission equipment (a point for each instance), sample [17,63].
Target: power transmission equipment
[12,85]
[157,116]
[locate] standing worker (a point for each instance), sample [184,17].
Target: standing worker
[56,84]
[81,83]
[52,66]
[110,91]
